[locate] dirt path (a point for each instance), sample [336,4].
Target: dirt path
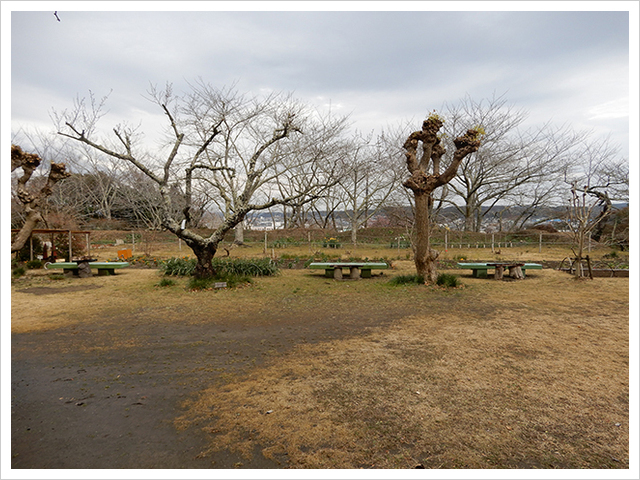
[103,392]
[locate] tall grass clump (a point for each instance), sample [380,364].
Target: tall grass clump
[447,280]
[179,267]
[250,267]
[233,271]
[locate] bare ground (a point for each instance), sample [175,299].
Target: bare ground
[300,371]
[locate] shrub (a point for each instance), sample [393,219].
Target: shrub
[34,264]
[407,280]
[447,280]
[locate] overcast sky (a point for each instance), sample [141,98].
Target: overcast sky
[380,67]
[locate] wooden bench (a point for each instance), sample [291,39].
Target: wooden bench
[356,269]
[104,268]
[480,270]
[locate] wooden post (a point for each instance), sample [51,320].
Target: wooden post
[492,242]
[265,243]
[86,236]
[179,244]
[31,247]
[589,266]
[70,248]
[540,244]
[445,241]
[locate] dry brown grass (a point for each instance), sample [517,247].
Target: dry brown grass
[507,374]
[533,375]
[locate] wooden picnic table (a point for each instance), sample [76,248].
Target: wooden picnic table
[356,269]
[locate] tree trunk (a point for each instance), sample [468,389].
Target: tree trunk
[425,257]
[239,234]
[204,255]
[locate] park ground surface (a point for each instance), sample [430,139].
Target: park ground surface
[301,371]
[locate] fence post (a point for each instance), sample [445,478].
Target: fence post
[540,244]
[265,242]
[445,241]
[179,244]
[493,237]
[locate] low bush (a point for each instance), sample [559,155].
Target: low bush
[34,264]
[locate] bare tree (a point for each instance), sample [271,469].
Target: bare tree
[369,180]
[511,167]
[600,178]
[426,178]
[220,141]
[32,202]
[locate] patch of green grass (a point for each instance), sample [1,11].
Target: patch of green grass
[407,280]
[208,283]
[166,282]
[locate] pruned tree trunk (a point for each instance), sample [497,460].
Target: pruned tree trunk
[425,257]
[33,203]
[425,178]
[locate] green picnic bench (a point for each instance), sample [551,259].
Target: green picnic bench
[104,268]
[356,269]
[479,270]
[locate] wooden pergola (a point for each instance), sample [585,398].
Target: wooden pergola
[52,232]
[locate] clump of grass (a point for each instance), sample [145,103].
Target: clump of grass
[448,280]
[166,282]
[180,267]
[245,267]
[240,267]
[407,280]
[56,276]
[18,272]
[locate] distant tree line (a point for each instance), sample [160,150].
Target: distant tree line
[226,155]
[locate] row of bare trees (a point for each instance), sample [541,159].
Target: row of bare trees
[235,154]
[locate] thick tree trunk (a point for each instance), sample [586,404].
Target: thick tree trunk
[239,234]
[204,255]
[425,257]
[33,217]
